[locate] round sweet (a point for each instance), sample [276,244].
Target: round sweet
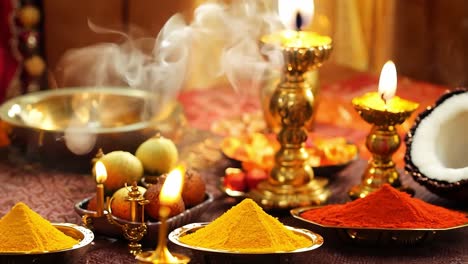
[152,208]
[120,206]
[194,188]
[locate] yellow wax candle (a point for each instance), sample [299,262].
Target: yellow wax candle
[373,100]
[101,177]
[297,39]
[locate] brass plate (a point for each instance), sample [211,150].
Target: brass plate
[325,169]
[174,236]
[377,236]
[84,235]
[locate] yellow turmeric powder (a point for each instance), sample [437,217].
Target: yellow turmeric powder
[23,230]
[246,228]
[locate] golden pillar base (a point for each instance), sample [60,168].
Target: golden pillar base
[382,141]
[271,196]
[291,182]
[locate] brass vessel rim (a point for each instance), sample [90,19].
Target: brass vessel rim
[80,233]
[316,239]
[359,105]
[296,213]
[37,97]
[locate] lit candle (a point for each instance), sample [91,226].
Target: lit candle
[295,14]
[101,176]
[172,187]
[170,193]
[388,81]
[385,99]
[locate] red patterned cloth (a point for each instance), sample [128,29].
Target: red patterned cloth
[8,61]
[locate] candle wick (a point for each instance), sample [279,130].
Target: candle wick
[382,96]
[298,21]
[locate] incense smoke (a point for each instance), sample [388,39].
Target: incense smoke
[222,40]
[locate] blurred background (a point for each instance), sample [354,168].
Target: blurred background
[427,39]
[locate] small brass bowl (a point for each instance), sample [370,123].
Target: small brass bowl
[368,236]
[65,127]
[65,256]
[207,255]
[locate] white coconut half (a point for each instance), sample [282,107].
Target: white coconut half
[440,142]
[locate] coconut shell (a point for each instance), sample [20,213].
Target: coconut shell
[450,190]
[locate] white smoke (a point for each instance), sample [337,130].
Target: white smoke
[222,40]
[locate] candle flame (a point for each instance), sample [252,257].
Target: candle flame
[388,81]
[101,172]
[172,187]
[290,10]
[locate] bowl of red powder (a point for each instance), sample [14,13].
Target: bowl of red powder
[384,217]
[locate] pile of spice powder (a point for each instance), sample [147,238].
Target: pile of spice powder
[23,230]
[246,228]
[386,208]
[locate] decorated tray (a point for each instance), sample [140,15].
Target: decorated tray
[255,155]
[102,226]
[221,256]
[326,155]
[377,236]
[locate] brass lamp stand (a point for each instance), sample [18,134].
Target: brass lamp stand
[291,182]
[382,141]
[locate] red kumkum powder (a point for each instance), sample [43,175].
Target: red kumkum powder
[386,208]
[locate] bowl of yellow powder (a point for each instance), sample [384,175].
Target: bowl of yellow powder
[245,233]
[26,237]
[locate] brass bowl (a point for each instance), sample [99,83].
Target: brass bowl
[66,127]
[208,255]
[368,236]
[66,256]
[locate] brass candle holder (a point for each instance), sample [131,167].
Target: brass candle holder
[136,229]
[291,182]
[170,192]
[162,254]
[382,141]
[133,231]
